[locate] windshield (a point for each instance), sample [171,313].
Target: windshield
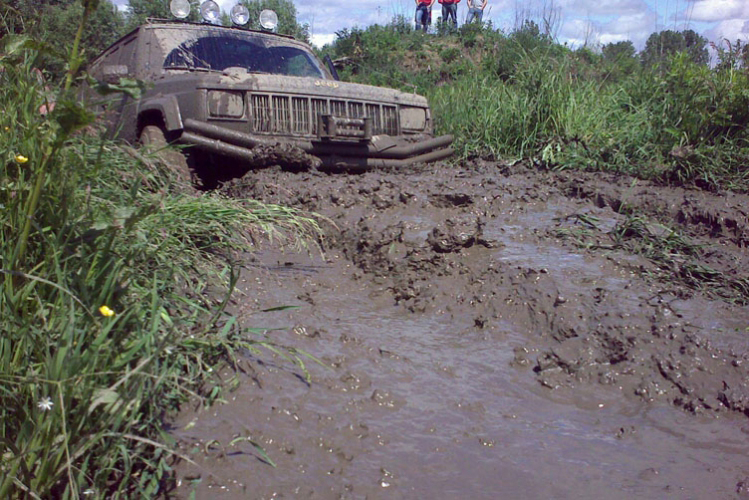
[214,50]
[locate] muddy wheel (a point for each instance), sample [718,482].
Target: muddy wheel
[153,137]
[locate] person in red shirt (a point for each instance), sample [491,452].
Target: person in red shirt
[450,11]
[423,14]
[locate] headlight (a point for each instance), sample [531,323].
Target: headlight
[413,118]
[210,11]
[225,104]
[268,20]
[240,15]
[180,8]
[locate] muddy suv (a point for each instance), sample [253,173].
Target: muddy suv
[241,94]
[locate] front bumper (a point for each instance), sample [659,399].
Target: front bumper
[364,153]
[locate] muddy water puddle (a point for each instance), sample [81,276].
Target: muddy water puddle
[477,391]
[426,408]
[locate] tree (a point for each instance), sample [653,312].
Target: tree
[286,12]
[55,23]
[696,47]
[661,46]
[620,58]
[619,51]
[139,10]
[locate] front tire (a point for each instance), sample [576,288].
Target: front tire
[154,138]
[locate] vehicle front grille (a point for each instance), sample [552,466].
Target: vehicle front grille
[283,114]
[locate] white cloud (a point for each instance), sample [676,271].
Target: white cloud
[717,10]
[635,27]
[320,40]
[731,30]
[608,38]
[577,31]
[335,15]
[643,22]
[602,8]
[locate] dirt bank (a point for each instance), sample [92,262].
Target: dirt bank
[490,328]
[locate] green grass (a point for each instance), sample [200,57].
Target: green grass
[521,96]
[676,259]
[107,326]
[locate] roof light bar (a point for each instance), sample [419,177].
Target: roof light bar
[180,8]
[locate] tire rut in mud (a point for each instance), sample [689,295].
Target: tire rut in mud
[437,240]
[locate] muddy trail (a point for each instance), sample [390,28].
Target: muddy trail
[489,331]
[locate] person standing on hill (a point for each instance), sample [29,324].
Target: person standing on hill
[423,14]
[476,10]
[450,11]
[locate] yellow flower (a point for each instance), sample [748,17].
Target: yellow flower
[21,159]
[106,311]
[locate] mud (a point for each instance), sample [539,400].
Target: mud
[489,331]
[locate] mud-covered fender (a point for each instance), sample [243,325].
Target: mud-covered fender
[167,107]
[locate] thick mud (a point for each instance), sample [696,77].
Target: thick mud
[489,331]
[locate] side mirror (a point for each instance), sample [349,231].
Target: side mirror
[111,73]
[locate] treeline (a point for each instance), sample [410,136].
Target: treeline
[663,113]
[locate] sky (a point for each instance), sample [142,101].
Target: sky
[575,22]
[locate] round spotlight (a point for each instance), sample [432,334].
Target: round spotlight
[268,19]
[210,11]
[180,8]
[240,15]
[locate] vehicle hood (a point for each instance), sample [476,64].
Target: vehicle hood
[308,86]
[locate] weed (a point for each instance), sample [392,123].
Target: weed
[677,258]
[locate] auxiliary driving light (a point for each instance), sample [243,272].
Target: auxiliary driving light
[268,20]
[239,14]
[210,11]
[180,8]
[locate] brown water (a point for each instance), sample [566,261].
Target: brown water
[470,351]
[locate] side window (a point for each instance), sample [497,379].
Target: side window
[96,69]
[127,56]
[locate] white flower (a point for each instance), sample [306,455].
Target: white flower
[45,404]
[89,491]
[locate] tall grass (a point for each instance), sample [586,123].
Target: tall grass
[520,95]
[687,126]
[541,110]
[105,326]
